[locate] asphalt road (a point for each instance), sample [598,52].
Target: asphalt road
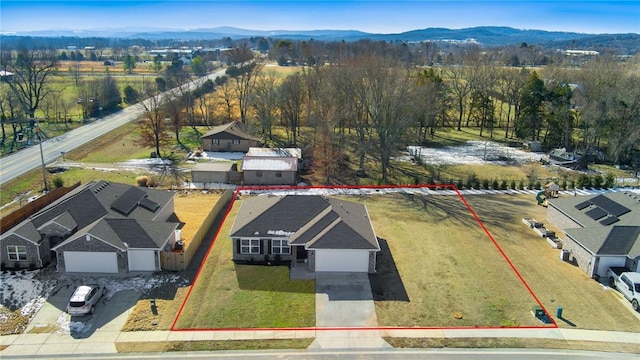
[399,354]
[28,159]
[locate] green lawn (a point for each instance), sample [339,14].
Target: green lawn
[226,295]
[439,268]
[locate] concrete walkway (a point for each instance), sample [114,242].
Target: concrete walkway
[104,343]
[345,300]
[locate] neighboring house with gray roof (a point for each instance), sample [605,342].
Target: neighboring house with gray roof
[323,234]
[601,231]
[100,227]
[233,136]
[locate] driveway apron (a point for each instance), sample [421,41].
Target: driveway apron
[344,300]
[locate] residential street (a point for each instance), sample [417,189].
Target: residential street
[28,159]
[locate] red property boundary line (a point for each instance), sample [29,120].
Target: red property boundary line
[378,328]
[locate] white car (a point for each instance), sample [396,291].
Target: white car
[84,299]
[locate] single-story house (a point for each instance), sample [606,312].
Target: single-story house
[262,170]
[600,231]
[233,136]
[215,172]
[321,233]
[100,227]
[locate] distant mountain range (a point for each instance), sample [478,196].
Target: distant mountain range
[485,35]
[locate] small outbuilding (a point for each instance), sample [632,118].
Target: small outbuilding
[215,172]
[259,170]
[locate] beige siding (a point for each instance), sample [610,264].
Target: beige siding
[560,220]
[579,256]
[251,177]
[228,145]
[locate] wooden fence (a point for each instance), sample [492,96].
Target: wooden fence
[17,216]
[178,261]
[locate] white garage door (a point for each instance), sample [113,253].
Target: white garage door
[95,262]
[342,260]
[142,260]
[609,261]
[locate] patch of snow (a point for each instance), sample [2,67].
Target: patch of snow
[474,152]
[195,186]
[216,156]
[29,290]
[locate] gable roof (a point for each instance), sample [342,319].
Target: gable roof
[275,152]
[232,130]
[95,209]
[584,210]
[616,240]
[610,222]
[315,221]
[269,164]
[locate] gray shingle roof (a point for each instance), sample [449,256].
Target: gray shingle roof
[317,222]
[232,130]
[87,210]
[628,200]
[621,237]
[616,240]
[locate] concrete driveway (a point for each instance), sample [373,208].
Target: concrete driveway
[344,300]
[111,314]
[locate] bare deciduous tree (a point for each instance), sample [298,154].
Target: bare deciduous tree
[31,70]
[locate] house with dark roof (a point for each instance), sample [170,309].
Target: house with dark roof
[601,231]
[100,227]
[233,136]
[320,233]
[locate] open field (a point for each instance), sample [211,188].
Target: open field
[436,273]
[586,304]
[226,295]
[446,265]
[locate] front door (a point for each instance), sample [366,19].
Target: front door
[301,254]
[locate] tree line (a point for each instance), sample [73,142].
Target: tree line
[376,91]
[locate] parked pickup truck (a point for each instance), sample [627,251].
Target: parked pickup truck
[627,283]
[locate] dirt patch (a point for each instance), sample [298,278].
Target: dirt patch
[520,343]
[191,208]
[140,347]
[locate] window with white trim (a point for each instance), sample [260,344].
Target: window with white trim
[236,141]
[249,246]
[280,247]
[216,141]
[17,252]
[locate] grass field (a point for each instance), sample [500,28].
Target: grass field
[435,271]
[226,295]
[447,267]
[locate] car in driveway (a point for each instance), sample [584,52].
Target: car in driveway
[84,299]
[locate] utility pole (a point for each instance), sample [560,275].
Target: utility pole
[44,171]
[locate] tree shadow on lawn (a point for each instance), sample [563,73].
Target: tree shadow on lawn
[386,283]
[271,278]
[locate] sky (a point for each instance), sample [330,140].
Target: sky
[374,16]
